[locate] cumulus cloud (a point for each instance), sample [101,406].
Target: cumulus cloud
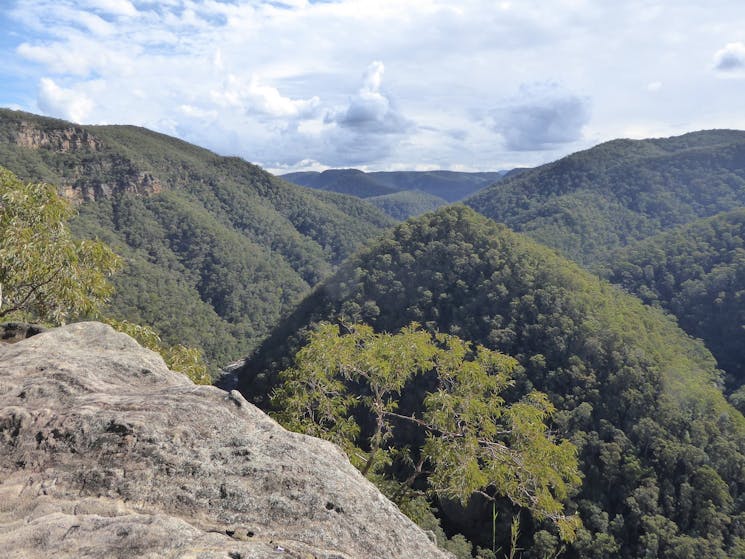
[114,7]
[64,103]
[368,127]
[542,116]
[255,98]
[370,111]
[296,93]
[731,59]
[60,61]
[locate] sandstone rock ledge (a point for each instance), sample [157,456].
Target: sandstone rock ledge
[104,452]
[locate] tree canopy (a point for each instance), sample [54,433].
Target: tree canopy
[46,274]
[621,191]
[697,273]
[217,249]
[473,441]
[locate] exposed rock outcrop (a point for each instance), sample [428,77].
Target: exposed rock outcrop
[104,452]
[91,170]
[60,139]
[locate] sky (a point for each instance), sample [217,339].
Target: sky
[381,85]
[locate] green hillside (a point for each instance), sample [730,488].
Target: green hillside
[663,454]
[696,272]
[216,248]
[407,203]
[621,191]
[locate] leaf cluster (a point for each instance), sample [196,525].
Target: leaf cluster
[46,274]
[473,440]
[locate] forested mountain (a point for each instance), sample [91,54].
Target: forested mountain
[662,452]
[407,203]
[448,185]
[216,248]
[696,272]
[621,191]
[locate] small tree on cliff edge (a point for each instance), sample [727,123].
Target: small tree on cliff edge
[474,441]
[46,274]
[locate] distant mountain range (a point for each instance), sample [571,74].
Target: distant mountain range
[448,185]
[401,194]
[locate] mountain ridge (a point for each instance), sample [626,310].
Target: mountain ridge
[208,239]
[620,191]
[451,186]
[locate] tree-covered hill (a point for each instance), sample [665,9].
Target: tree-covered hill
[621,191]
[407,203]
[662,452]
[696,272]
[448,185]
[216,249]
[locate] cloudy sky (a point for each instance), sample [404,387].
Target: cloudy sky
[379,84]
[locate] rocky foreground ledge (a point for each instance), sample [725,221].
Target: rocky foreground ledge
[104,452]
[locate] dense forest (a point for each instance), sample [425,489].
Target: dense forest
[661,450]
[407,203]
[216,249]
[621,191]
[696,272]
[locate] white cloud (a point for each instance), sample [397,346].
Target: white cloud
[65,103]
[254,97]
[196,112]
[368,127]
[114,7]
[59,61]
[370,111]
[278,82]
[654,86]
[542,116]
[731,59]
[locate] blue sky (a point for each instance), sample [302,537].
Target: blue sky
[378,84]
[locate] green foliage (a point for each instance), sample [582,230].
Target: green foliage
[696,272]
[636,396]
[621,191]
[408,203]
[46,274]
[474,442]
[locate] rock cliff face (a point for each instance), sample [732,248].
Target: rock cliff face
[61,139]
[104,452]
[88,166]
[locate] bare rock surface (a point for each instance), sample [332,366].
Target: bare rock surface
[104,452]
